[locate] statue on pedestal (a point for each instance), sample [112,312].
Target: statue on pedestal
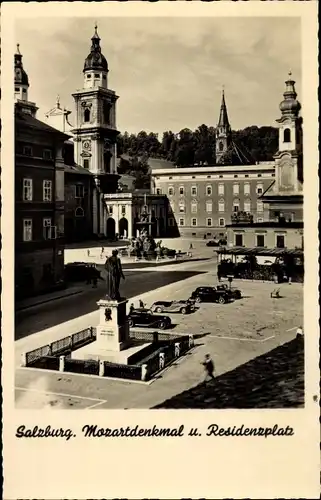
[114,274]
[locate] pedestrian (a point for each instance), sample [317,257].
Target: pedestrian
[141,304]
[219,272]
[102,251]
[131,308]
[88,253]
[209,368]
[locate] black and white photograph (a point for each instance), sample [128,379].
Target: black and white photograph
[159,244]
[160,249]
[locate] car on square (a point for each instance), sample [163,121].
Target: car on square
[212,294]
[148,320]
[236,291]
[173,306]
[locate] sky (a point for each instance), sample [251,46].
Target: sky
[167,72]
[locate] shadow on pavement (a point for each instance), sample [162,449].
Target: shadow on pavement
[273,380]
[51,314]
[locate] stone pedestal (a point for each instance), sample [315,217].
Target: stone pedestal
[113,342]
[113,329]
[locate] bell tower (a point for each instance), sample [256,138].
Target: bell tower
[288,159]
[21,86]
[95,132]
[223,132]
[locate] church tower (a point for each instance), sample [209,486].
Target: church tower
[288,159]
[21,86]
[223,132]
[95,130]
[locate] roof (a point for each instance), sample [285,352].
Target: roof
[268,224]
[76,169]
[223,119]
[237,155]
[260,251]
[29,121]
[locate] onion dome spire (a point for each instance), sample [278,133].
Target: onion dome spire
[95,60]
[20,76]
[290,105]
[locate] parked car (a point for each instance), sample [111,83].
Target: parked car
[212,294]
[81,271]
[212,243]
[236,291]
[173,306]
[149,320]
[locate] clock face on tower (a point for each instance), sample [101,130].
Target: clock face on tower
[86,145]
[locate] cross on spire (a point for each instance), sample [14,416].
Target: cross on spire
[18,49]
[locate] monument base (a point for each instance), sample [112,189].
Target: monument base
[95,352]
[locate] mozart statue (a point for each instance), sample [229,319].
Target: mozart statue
[114,274]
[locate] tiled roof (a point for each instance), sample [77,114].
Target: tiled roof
[27,120]
[77,169]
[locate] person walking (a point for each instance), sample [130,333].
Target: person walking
[141,304]
[88,253]
[131,308]
[209,368]
[102,252]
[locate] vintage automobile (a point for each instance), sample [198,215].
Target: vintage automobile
[236,291]
[212,294]
[173,306]
[149,320]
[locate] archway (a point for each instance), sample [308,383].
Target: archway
[111,228]
[123,227]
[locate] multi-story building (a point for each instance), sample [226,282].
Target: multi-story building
[39,195]
[203,199]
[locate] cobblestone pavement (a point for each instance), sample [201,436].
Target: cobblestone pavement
[232,333]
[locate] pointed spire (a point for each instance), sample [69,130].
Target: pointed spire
[95,35]
[223,119]
[18,49]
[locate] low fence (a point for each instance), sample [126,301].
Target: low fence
[163,348]
[61,346]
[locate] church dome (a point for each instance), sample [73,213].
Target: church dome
[290,104]
[20,76]
[95,60]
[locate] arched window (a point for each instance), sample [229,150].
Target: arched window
[79,212]
[221,146]
[87,115]
[287,135]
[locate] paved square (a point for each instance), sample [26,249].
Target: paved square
[232,333]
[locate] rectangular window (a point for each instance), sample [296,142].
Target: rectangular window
[239,240]
[170,191]
[221,222]
[47,154]
[247,206]
[27,190]
[181,190]
[79,191]
[236,207]
[259,206]
[27,150]
[194,191]
[260,240]
[194,222]
[209,206]
[221,189]
[46,228]
[194,208]
[111,211]
[181,222]
[158,191]
[280,241]
[221,206]
[259,188]
[209,222]
[181,208]
[209,190]
[236,188]
[27,229]
[247,188]
[123,209]
[86,164]
[47,190]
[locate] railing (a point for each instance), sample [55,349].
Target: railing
[122,371]
[89,367]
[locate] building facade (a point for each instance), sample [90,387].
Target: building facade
[39,196]
[203,199]
[124,211]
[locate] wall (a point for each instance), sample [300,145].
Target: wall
[293,236]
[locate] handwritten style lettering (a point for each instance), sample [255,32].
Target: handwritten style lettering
[48,432]
[95,431]
[216,430]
